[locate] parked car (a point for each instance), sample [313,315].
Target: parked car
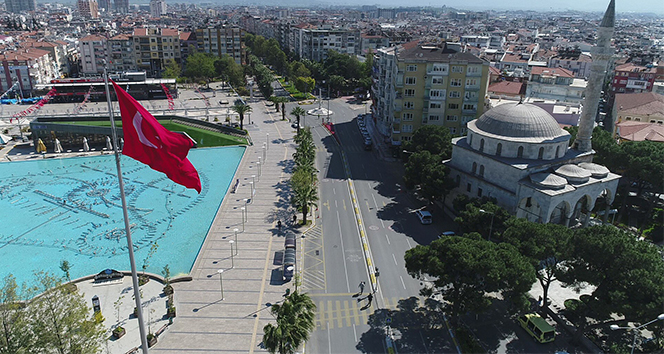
[367,144]
[538,328]
[424,216]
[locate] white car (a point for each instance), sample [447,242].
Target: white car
[424,216]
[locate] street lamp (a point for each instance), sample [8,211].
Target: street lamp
[491,225]
[235,231]
[242,211]
[221,282]
[635,329]
[232,253]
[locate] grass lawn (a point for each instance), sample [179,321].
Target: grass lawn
[204,138]
[293,91]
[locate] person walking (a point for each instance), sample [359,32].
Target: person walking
[361,287]
[279,225]
[294,219]
[370,298]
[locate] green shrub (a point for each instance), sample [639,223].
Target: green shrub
[467,342]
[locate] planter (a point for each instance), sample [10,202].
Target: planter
[118,332]
[152,340]
[135,312]
[171,312]
[168,289]
[143,279]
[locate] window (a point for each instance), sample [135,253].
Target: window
[409,92]
[410,80]
[455,94]
[499,149]
[540,155]
[457,69]
[408,105]
[471,82]
[407,116]
[473,69]
[439,68]
[407,128]
[411,68]
[481,170]
[557,151]
[470,95]
[479,192]
[453,106]
[466,119]
[469,187]
[471,107]
[435,105]
[453,130]
[455,82]
[437,80]
[434,117]
[519,153]
[482,145]
[452,118]
[474,167]
[436,93]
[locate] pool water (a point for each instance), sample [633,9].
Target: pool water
[70,209]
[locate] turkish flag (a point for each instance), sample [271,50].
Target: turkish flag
[149,142]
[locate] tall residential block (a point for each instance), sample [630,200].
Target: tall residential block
[153,47]
[121,6]
[121,50]
[157,8]
[88,8]
[93,50]
[19,6]
[222,40]
[433,85]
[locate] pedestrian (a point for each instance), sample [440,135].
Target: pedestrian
[294,219]
[279,225]
[370,298]
[361,287]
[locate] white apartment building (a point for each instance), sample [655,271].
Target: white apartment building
[382,89]
[93,50]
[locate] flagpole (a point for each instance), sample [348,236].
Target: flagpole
[130,246]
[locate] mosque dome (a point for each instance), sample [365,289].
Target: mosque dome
[519,120]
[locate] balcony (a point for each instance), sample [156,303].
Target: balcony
[474,74]
[472,88]
[469,111]
[470,99]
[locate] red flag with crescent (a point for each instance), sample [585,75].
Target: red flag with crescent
[147,141]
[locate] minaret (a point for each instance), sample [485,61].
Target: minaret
[601,53]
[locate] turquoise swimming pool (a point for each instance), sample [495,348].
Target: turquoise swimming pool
[70,209]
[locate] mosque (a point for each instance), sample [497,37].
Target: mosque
[519,155]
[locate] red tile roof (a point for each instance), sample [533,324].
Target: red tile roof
[641,131]
[640,103]
[507,87]
[556,72]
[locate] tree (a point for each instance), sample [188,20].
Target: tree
[66,267]
[199,65]
[305,84]
[418,162]
[172,69]
[294,324]
[298,69]
[642,162]
[15,332]
[298,112]
[627,276]
[435,139]
[230,71]
[241,108]
[337,83]
[304,189]
[544,244]
[465,269]
[487,219]
[60,320]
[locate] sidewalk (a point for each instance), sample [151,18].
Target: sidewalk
[205,322]
[380,145]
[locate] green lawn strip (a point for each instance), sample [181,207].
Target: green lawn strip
[203,137]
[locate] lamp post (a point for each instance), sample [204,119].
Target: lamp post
[242,211]
[232,253]
[635,329]
[258,164]
[491,225]
[268,141]
[235,231]
[221,282]
[252,191]
[245,211]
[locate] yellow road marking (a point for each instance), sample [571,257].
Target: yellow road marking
[330,315]
[344,201]
[347,313]
[356,314]
[338,313]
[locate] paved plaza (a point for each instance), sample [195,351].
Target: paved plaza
[251,278]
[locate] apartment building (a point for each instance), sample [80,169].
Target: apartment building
[88,8]
[28,67]
[121,51]
[573,60]
[93,51]
[436,85]
[382,89]
[20,6]
[121,6]
[153,47]
[222,40]
[372,42]
[313,44]
[631,78]
[157,8]
[555,84]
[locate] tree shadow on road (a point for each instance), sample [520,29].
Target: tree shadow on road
[414,328]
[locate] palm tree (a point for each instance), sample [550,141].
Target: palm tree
[298,112]
[241,108]
[295,321]
[305,193]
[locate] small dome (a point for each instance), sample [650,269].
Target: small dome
[597,171]
[548,180]
[519,120]
[573,173]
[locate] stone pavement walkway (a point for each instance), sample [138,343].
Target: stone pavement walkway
[251,279]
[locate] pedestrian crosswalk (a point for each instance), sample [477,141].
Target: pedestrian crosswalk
[331,314]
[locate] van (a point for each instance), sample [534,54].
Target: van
[424,216]
[538,328]
[288,264]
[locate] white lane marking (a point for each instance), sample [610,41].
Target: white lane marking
[317,133]
[335,204]
[409,245]
[374,199]
[382,223]
[334,190]
[395,259]
[402,283]
[329,340]
[343,251]
[355,332]
[388,239]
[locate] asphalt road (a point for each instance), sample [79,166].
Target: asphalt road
[332,274]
